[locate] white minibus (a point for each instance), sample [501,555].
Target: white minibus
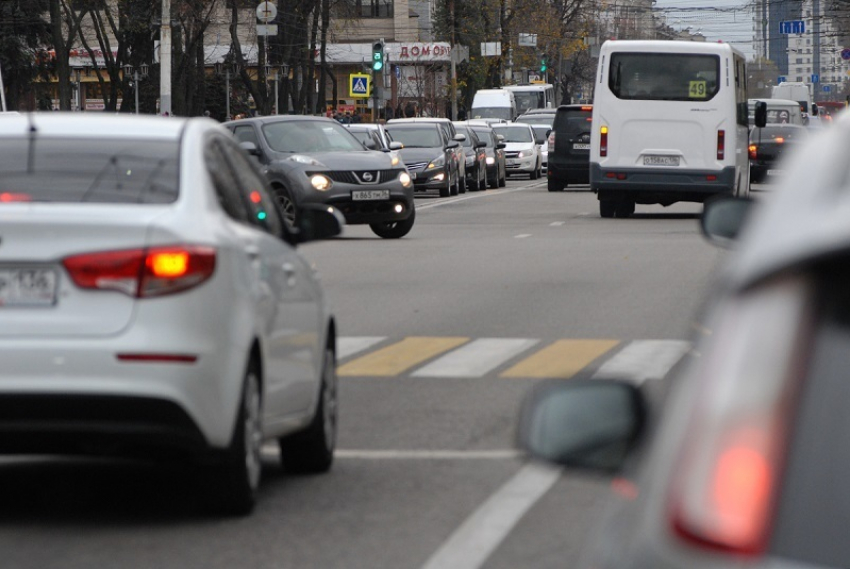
[533,96]
[669,124]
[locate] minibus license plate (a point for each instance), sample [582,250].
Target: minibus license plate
[370,195]
[775,172]
[660,160]
[581,146]
[27,287]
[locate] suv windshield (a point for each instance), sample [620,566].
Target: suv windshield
[310,136]
[89,170]
[573,120]
[663,76]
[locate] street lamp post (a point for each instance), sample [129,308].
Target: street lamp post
[226,67]
[79,96]
[129,70]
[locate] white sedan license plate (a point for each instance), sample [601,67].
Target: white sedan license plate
[370,195]
[653,160]
[27,287]
[511,162]
[581,146]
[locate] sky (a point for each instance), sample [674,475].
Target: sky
[728,20]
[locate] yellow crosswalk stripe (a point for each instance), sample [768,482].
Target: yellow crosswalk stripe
[561,359]
[401,356]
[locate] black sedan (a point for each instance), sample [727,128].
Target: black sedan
[767,145]
[494,155]
[317,160]
[429,156]
[475,152]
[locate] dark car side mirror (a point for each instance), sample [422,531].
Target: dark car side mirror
[315,222]
[815,110]
[481,145]
[723,218]
[585,424]
[501,145]
[760,114]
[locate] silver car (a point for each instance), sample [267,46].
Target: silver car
[740,459]
[153,303]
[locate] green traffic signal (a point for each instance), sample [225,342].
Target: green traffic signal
[543,65]
[377,56]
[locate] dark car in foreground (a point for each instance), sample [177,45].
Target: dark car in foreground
[568,161]
[429,155]
[317,160]
[744,462]
[768,144]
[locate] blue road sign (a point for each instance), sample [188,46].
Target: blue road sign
[845,53]
[815,78]
[781,79]
[792,27]
[358,85]
[826,89]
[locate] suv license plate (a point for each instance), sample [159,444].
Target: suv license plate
[581,146]
[27,287]
[653,160]
[370,195]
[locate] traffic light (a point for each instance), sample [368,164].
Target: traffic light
[543,65]
[377,56]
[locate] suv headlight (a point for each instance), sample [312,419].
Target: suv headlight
[524,153]
[405,180]
[320,182]
[438,162]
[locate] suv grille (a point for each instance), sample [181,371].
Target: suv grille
[360,177]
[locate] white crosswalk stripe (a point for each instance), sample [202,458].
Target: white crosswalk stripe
[476,358]
[643,360]
[636,361]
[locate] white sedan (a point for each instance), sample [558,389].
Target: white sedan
[522,153]
[153,304]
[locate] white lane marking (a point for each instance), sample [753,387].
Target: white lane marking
[488,193]
[556,224]
[644,359]
[350,345]
[474,541]
[522,235]
[475,358]
[496,454]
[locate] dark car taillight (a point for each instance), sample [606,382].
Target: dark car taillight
[551,141]
[753,150]
[140,273]
[724,488]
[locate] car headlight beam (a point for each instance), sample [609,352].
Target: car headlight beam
[320,182]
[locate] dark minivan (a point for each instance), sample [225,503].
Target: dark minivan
[569,147]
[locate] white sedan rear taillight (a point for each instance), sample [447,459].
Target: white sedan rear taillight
[141,273]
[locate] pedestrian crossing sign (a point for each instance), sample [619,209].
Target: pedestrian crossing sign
[359,85]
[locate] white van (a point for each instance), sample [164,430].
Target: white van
[533,96]
[669,124]
[493,104]
[795,91]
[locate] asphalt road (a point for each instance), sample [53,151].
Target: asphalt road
[442,333]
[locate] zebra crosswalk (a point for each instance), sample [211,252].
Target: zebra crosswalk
[516,358]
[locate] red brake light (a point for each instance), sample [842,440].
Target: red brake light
[753,150]
[779,140]
[603,141]
[723,491]
[143,272]
[721,144]
[8,197]
[551,141]
[587,108]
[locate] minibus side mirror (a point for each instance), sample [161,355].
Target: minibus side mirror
[761,114]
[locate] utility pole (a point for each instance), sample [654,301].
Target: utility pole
[453,55]
[165,59]
[2,93]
